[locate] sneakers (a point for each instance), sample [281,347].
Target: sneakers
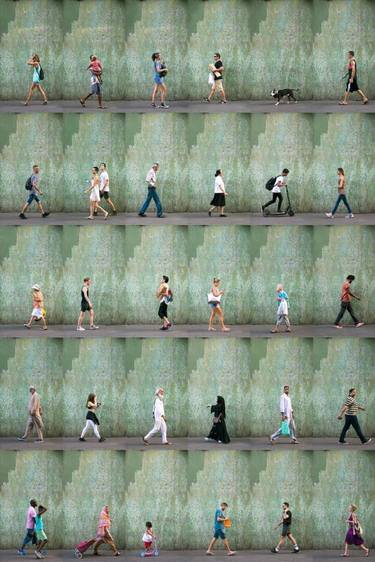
[82,439]
[359,324]
[44,215]
[274,550]
[21,438]
[80,329]
[367,441]
[101,439]
[329,215]
[22,216]
[38,555]
[163,106]
[93,327]
[350,216]
[295,549]
[21,552]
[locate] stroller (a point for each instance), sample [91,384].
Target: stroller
[81,548]
[152,552]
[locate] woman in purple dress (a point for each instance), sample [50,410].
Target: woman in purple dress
[354,533]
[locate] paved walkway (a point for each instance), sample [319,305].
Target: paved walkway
[186,219]
[184,331]
[184,444]
[199,556]
[185,106]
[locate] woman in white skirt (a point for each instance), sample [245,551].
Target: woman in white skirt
[218,202]
[91,418]
[282,310]
[95,194]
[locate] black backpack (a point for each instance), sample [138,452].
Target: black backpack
[271,183]
[28,184]
[41,73]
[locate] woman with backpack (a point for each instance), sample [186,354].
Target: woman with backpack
[354,533]
[160,71]
[38,76]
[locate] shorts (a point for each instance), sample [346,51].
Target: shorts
[104,195]
[158,79]
[147,544]
[213,304]
[96,89]
[285,530]
[37,313]
[40,536]
[219,534]
[32,197]
[218,85]
[85,307]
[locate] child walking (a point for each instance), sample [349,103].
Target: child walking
[41,537]
[149,541]
[282,310]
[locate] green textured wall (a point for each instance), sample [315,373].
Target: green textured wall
[248,148]
[250,375]
[126,264]
[279,43]
[186,489]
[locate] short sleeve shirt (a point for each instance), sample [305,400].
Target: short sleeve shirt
[103,178]
[30,517]
[219,525]
[345,297]
[287,517]
[218,64]
[276,188]
[39,523]
[34,182]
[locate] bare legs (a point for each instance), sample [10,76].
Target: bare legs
[28,325]
[82,316]
[362,546]
[226,544]
[217,311]
[160,89]
[346,96]
[31,91]
[94,206]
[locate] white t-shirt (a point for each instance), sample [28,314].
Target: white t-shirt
[276,188]
[147,538]
[104,177]
[158,409]
[286,405]
[219,185]
[151,177]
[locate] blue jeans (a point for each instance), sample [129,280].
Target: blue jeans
[152,195]
[29,537]
[342,197]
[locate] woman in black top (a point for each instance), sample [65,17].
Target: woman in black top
[91,418]
[219,429]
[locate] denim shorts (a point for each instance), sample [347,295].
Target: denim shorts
[219,534]
[32,197]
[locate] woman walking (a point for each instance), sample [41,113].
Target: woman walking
[38,76]
[160,71]
[218,202]
[341,196]
[354,533]
[103,534]
[38,312]
[214,299]
[219,428]
[91,418]
[352,83]
[282,310]
[95,195]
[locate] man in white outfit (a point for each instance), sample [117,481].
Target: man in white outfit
[286,411]
[160,421]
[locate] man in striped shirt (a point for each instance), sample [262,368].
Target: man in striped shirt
[350,409]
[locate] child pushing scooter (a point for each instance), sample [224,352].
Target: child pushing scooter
[149,542]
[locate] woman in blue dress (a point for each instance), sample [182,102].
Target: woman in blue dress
[160,71]
[34,61]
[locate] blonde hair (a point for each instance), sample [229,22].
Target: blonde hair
[354,507]
[279,287]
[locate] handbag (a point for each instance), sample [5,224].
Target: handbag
[217,419]
[285,431]
[211,79]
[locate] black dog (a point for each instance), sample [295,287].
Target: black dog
[287,92]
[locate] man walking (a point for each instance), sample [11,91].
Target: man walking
[35,417]
[352,81]
[280,182]
[350,409]
[152,194]
[219,530]
[216,81]
[346,297]
[104,187]
[160,421]
[286,411]
[30,527]
[32,186]
[286,523]
[86,306]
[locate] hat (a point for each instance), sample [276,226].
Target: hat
[36,287]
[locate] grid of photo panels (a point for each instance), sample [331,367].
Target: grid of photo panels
[187,279]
